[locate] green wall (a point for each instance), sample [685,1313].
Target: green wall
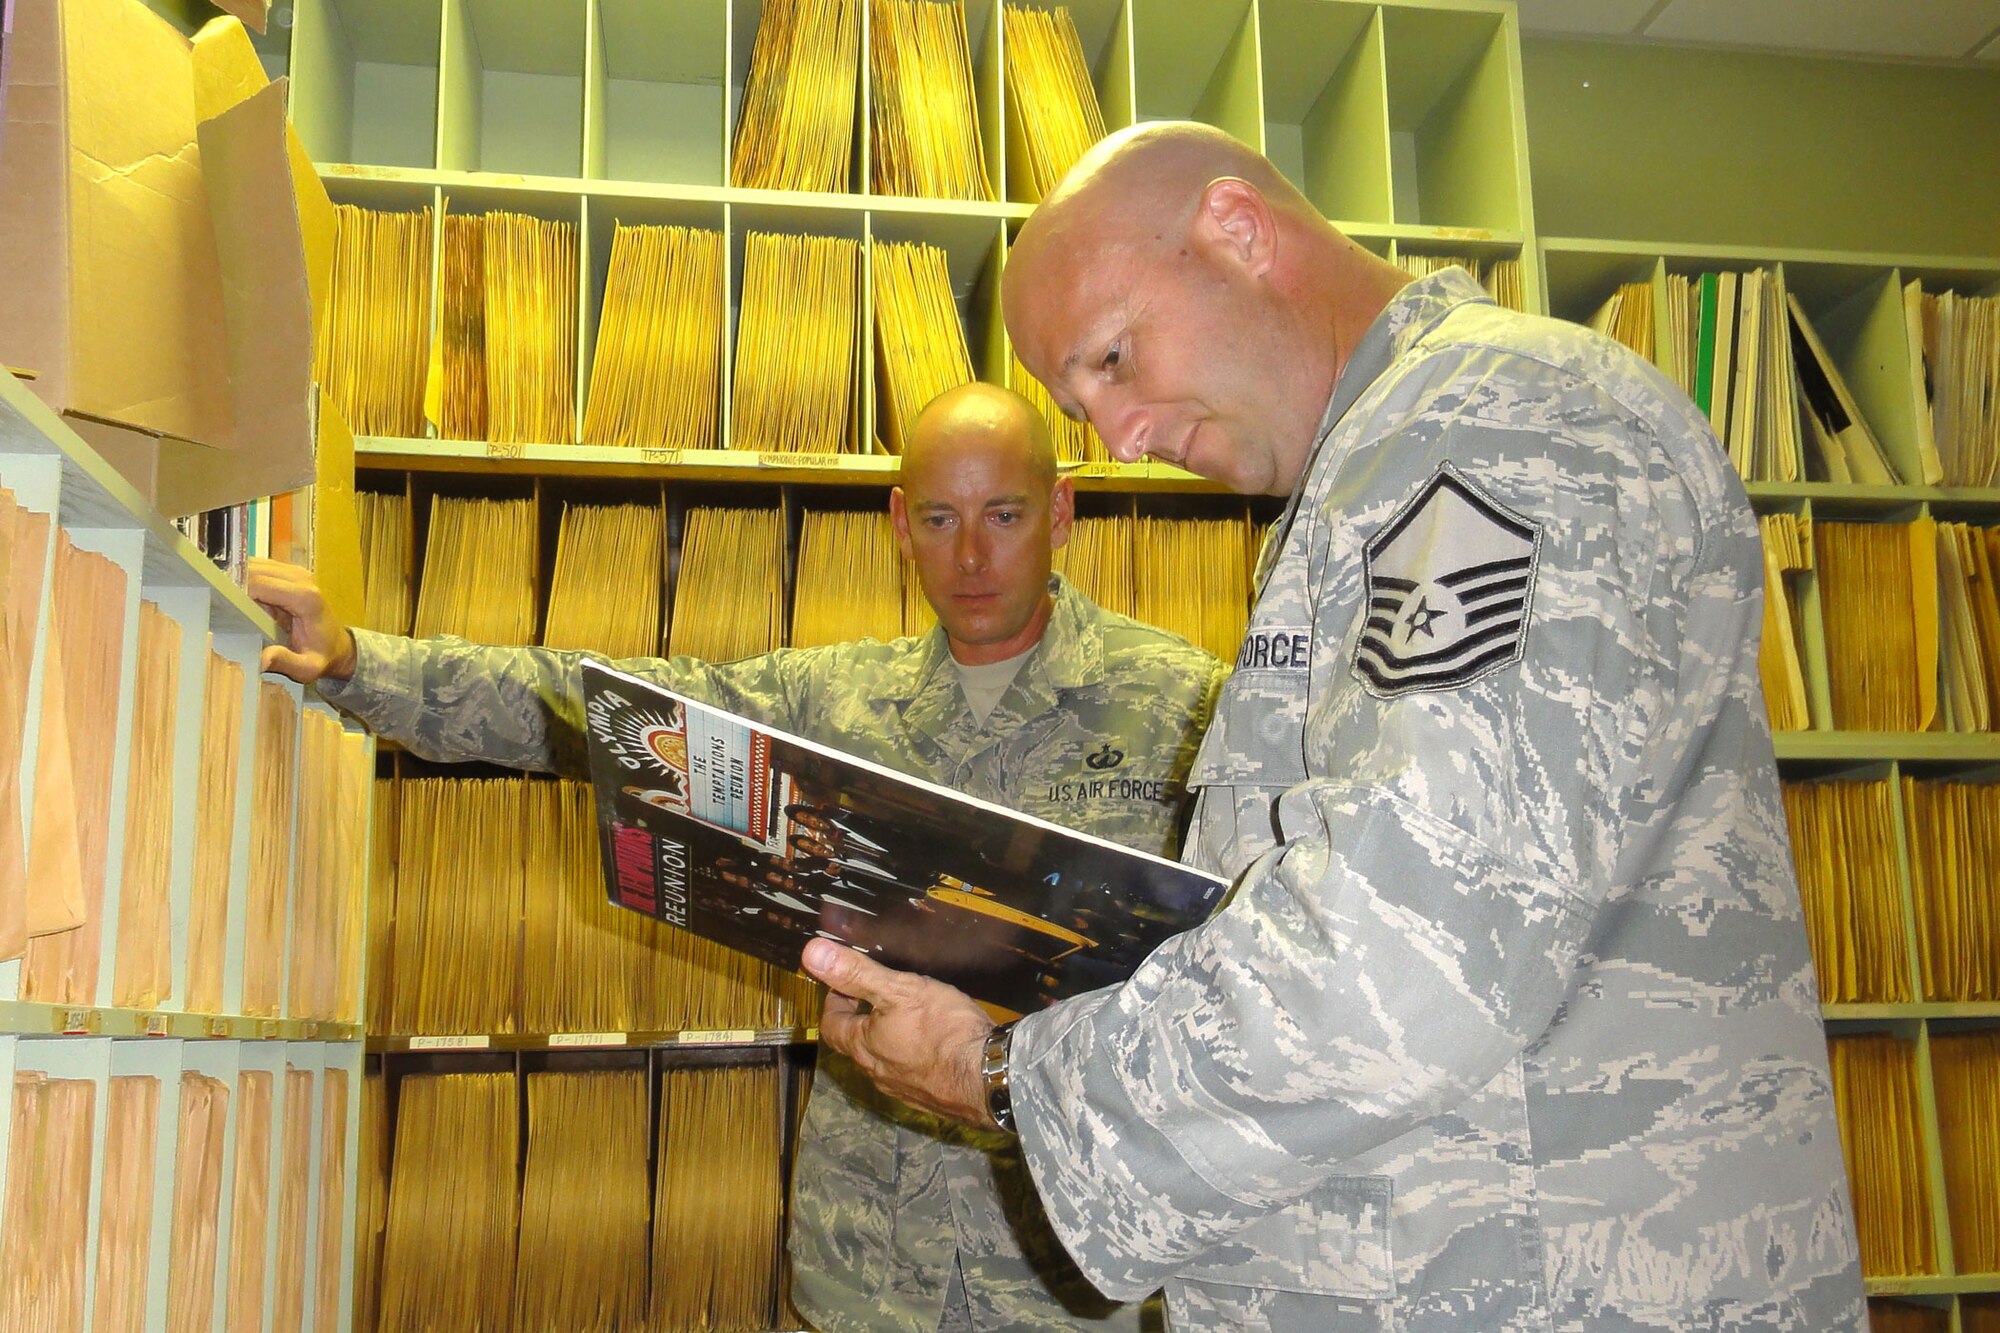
[1697,145]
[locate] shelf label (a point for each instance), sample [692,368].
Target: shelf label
[155,1025]
[661,456]
[267,1028]
[720,1037]
[798,460]
[312,1030]
[587,1039]
[449,1043]
[77,1022]
[218,1027]
[503,449]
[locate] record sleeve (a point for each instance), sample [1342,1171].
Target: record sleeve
[760,840]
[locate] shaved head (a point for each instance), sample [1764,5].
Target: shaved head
[981,415]
[1146,182]
[980,513]
[1133,194]
[1184,297]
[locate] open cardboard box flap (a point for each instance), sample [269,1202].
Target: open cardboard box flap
[254,13]
[155,267]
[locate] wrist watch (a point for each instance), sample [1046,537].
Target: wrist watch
[993,1074]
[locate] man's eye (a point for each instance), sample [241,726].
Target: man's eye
[1005,516]
[1112,356]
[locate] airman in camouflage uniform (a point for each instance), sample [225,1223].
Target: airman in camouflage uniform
[1510,1023]
[1096,731]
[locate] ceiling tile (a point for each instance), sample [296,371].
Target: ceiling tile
[1607,18]
[1942,29]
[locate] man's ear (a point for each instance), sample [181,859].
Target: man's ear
[899,515]
[1236,220]
[1062,512]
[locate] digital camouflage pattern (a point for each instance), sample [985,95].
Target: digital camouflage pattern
[1096,733]
[1510,1023]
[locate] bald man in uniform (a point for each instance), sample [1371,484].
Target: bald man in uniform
[900,1221]
[1510,1022]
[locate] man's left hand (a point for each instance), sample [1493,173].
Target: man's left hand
[919,1040]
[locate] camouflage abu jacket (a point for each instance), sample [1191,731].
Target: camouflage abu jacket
[1096,733]
[1511,1022]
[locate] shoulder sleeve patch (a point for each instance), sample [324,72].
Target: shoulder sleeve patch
[1448,582]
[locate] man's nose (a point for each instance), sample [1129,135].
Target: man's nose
[1122,428]
[970,552]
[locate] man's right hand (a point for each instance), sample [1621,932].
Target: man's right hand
[316,643]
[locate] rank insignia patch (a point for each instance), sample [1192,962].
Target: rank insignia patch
[1448,581]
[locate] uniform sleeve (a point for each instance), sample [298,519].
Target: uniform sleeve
[449,700]
[1418,921]
[1211,690]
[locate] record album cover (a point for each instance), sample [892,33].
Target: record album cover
[760,840]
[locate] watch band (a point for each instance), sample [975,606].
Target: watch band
[993,1074]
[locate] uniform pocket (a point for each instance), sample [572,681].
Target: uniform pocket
[1334,1242]
[843,1186]
[1257,736]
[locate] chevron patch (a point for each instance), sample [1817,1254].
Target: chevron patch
[1449,581]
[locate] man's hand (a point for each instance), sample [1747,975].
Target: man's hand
[919,1040]
[316,643]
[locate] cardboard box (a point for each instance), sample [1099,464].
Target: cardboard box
[335,536]
[154,266]
[6,31]
[254,13]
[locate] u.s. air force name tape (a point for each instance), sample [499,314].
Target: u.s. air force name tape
[1276,648]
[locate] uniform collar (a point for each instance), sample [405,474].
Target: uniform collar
[1411,313]
[1070,656]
